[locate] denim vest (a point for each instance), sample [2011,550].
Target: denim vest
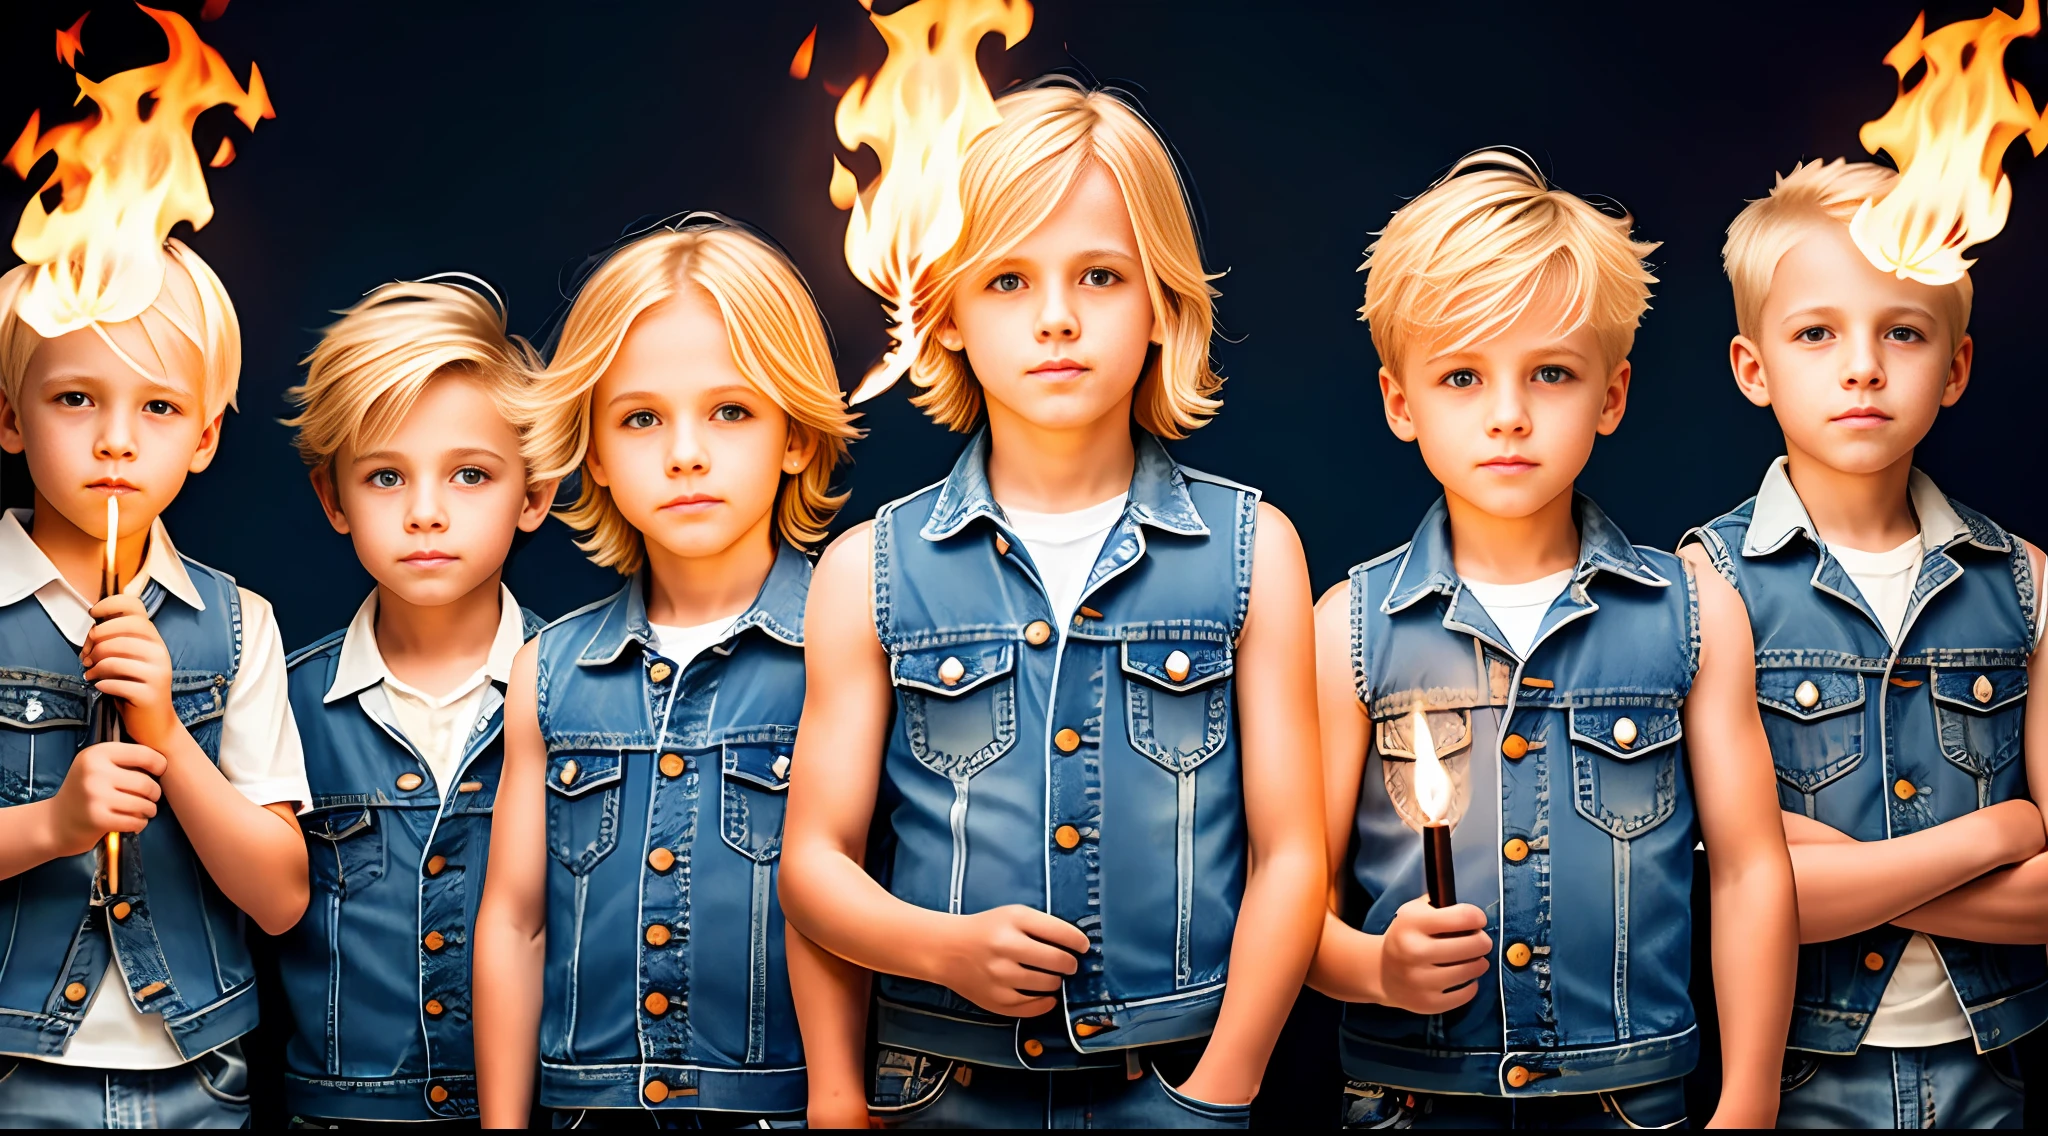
[666,983]
[377,973]
[1880,741]
[178,939]
[1088,770]
[1572,816]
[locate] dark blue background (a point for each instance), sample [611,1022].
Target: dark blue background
[507,139]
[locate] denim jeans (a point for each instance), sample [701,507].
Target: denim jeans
[1941,1086]
[671,1118]
[911,1090]
[209,1091]
[1659,1105]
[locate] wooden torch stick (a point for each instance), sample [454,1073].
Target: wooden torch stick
[107,724]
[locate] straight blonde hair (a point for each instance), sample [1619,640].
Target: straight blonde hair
[1014,176]
[778,341]
[1488,241]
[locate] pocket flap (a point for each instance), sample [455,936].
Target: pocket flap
[32,706]
[1980,690]
[574,773]
[1832,691]
[338,823]
[1196,662]
[764,765]
[1449,730]
[1625,732]
[966,665]
[198,697]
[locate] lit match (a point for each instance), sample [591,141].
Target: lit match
[1433,796]
[106,723]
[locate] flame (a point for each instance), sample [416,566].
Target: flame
[918,113]
[1948,136]
[127,177]
[1432,782]
[800,63]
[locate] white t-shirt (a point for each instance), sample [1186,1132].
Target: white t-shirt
[1064,546]
[259,753]
[1518,609]
[681,645]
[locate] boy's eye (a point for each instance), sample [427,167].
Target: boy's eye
[1099,278]
[386,479]
[1904,334]
[471,476]
[1552,374]
[731,412]
[1007,282]
[158,406]
[1812,335]
[74,399]
[1461,380]
[641,420]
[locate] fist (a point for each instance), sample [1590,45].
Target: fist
[111,788]
[126,659]
[1431,956]
[1010,960]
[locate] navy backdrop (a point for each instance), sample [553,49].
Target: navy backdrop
[508,138]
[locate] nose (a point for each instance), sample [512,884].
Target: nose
[1057,321]
[1507,412]
[425,511]
[687,452]
[1863,365]
[116,441]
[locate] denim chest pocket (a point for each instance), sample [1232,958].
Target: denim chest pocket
[583,807]
[1625,766]
[1177,699]
[1814,721]
[959,704]
[753,792]
[1450,732]
[39,714]
[1981,715]
[344,848]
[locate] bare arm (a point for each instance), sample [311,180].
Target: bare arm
[1756,915]
[1286,871]
[511,921]
[1848,885]
[832,1011]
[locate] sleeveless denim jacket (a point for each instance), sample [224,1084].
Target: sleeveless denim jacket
[1572,816]
[377,973]
[1088,770]
[1879,741]
[177,938]
[666,983]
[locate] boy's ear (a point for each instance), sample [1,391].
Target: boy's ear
[949,337]
[539,499]
[1617,398]
[322,477]
[11,440]
[209,444]
[1748,364]
[798,450]
[1399,420]
[1951,391]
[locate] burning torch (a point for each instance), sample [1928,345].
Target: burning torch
[1433,797]
[106,717]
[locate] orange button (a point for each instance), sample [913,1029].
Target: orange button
[1037,632]
[1517,1076]
[1033,1047]
[1002,546]
[1067,740]
[1903,789]
[435,864]
[150,991]
[659,672]
[407,782]
[75,992]
[434,941]
[661,859]
[1518,954]
[1873,961]
[437,1094]
[657,936]
[1088,1029]
[656,1091]
[434,1007]
[672,765]
[1066,836]
[1516,850]
[656,1003]
[122,909]
[1514,746]
[568,774]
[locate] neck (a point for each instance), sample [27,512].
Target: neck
[1042,469]
[1869,512]
[1493,549]
[79,556]
[684,591]
[433,648]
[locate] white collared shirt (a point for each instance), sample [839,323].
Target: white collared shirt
[439,726]
[259,750]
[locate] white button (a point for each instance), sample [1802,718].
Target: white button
[1177,666]
[952,670]
[1624,732]
[1808,695]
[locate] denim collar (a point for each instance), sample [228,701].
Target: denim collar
[778,610]
[1780,515]
[1427,565]
[1158,494]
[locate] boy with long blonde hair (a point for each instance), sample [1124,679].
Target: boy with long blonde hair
[1897,633]
[1070,697]
[412,427]
[1563,679]
[634,957]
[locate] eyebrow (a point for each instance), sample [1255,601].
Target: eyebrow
[393,455]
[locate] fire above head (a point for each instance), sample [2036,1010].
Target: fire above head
[1432,781]
[128,173]
[919,113]
[1948,135]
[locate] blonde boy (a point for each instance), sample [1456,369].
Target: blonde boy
[1896,634]
[141,993]
[411,427]
[1566,678]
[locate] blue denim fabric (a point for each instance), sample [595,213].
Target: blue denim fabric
[210,1091]
[911,1090]
[1938,1086]
[1661,1105]
[614,1119]
[1572,831]
[178,938]
[381,1021]
[703,1009]
[1114,732]
[1943,715]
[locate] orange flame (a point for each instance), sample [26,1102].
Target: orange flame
[800,63]
[1432,781]
[129,173]
[1948,135]
[919,113]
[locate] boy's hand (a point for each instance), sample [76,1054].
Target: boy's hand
[111,788]
[1009,960]
[126,658]
[1431,956]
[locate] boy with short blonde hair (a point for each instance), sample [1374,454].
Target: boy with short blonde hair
[1895,637]
[411,425]
[1564,677]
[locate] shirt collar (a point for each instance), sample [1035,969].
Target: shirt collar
[25,570]
[1779,515]
[778,610]
[361,665]
[1158,493]
[1428,567]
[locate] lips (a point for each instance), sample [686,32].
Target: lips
[1862,418]
[692,503]
[432,558]
[113,485]
[1509,465]
[1056,370]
